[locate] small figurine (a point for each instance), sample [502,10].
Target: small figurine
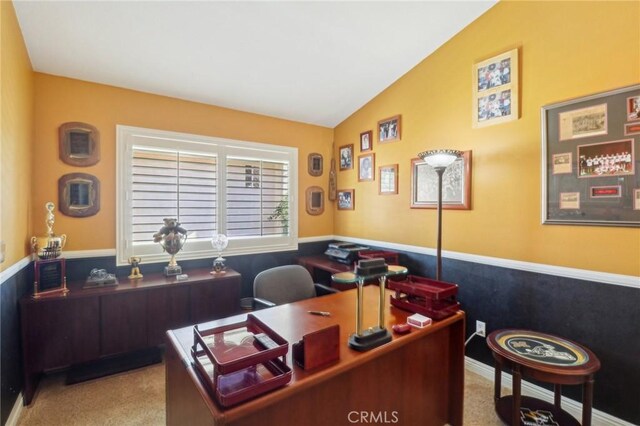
[135,269]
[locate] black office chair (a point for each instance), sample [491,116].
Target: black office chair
[285,284]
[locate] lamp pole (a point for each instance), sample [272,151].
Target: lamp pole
[440,172]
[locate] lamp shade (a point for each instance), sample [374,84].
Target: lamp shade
[440,158]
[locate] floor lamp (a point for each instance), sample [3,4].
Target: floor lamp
[439,159]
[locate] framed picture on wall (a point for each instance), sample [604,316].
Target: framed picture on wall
[456,185]
[389,129]
[366,141]
[495,90]
[388,176]
[346,199]
[346,157]
[366,167]
[589,171]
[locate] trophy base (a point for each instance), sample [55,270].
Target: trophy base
[170,271]
[370,339]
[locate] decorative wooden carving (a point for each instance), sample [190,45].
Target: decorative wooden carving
[79,195]
[79,144]
[315,200]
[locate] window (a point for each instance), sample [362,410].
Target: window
[211,185]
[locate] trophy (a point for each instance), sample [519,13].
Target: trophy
[171,237]
[49,246]
[135,267]
[219,242]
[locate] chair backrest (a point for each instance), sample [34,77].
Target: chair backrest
[284,284]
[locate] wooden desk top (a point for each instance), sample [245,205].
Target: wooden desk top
[292,321]
[149,281]
[543,352]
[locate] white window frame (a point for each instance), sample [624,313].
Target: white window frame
[127,137]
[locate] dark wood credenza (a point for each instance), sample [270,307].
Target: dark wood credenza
[89,324]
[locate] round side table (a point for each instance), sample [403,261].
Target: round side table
[546,358]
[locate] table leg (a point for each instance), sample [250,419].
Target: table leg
[557,395]
[587,401]
[515,413]
[497,380]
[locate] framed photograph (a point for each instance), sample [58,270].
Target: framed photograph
[596,186]
[456,185]
[633,108]
[605,159]
[562,163]
[388,179]
[495,90]
[636,199]
[346,157]
[632,129]
[346,199]
[583,123]
[389,129]
[366,141]
[366,167]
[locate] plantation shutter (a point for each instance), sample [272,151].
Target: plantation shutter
[174,184]
[257,198]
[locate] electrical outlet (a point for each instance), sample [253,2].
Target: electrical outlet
[481,328]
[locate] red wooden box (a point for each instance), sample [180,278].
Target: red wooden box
[234,366]
[391,257]
[435,299]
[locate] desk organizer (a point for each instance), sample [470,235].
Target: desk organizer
[234,366]
[390,257]
[435,299]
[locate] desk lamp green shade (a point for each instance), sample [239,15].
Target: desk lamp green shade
[439,159]
[219,243]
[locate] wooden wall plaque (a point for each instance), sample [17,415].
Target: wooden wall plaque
[79,144]
[79,195]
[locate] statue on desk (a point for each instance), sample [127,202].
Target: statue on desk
[172,238]
[135,269]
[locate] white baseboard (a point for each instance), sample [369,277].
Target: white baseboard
[16,411]
[598,418]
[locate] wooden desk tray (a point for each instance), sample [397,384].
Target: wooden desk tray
[435,299]
[233,347]
[391,257]
[244,384]
[425,287]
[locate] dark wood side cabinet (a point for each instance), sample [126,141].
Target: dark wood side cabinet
[89,324]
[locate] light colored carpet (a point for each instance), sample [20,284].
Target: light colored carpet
[137,398]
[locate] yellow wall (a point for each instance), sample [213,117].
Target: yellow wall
[16,137]
[60,100]
[567,50]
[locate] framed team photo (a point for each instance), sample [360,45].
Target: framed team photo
[589,164]
[606,159]
[633,108]
[495,90]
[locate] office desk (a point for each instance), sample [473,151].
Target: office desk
[416,378]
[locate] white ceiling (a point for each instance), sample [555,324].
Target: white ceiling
[314,62]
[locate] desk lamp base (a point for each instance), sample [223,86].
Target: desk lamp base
[370,338]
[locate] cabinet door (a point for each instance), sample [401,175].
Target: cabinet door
[167,309]
[59,333]
[123,322]
[215,299]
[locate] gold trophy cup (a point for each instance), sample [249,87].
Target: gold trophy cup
[50,246]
